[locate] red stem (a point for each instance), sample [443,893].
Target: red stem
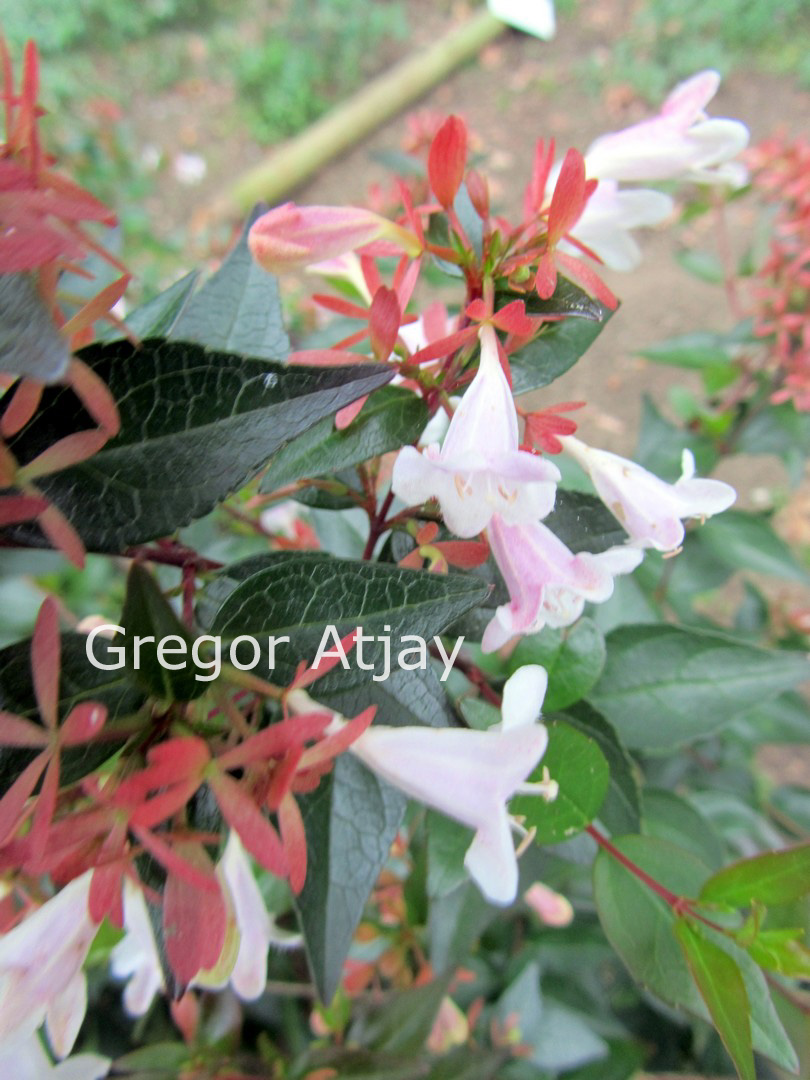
[377,525]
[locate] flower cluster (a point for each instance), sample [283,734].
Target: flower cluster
[43,218]
[157,832]
[781,171]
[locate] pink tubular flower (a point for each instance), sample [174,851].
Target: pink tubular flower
[650,509]
[681,142]
[245,967]
[41,975]
[479,470]
[290,237]
[28,1061]
[471,775]
[548,584]
[609,214]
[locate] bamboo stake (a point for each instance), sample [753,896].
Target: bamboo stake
[293,161]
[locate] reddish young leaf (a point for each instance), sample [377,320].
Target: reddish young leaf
[446,160]
[95,396]
[464,553]
[17,508]
[45,660]
[255,831]
[478,190]
[12,805]
[67,451]
[194,920]
[568,200]
[294,838]
[344,416]
[21,407]
[62,535]
[384,319]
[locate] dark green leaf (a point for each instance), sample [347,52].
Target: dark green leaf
[663,686]
[391,418]
[584,523]
[577,764]
[670,817]
[557,349]
[568,300]
[446,847]
[157,316]
[30,343]
[621,810]
[721,985]
[573,658]
[747,542]
[147,613]
[238,309]
[195,425]
[479,714]
[777,877]
[351,821]
[639,925]
[299,595]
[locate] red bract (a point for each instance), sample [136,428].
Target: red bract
[571,192]
[82,724]
[446,160]
[544,425]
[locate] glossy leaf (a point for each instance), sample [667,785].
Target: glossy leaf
[573,657]
[147,613]
[621,810]
[195,425]
[777,877]
[391,418]
[351,820]
[300,594]
[577,764]
[238,309]
[664,686]
[721,985]
[584,523]
[554,351]
[639,925]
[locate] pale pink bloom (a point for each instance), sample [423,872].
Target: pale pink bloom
[27,1060]
[548,584]
[680,143]
[41,977]
[650,509]
[256,929]
[549,906]
[136,956]
[290,237]
[471,775]
[609,214]
[479,469]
